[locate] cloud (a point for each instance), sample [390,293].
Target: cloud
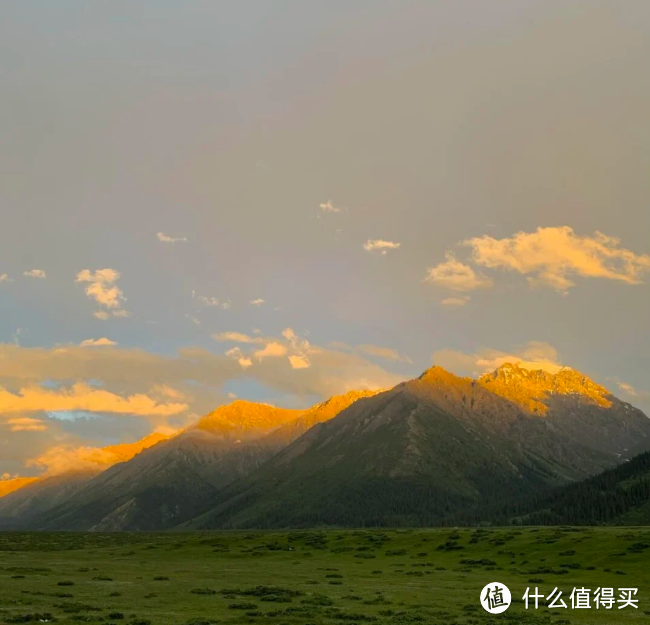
[455,301]
[272,349]
[257,302]
[533,355]
[103,342]
[83,397]
[165,238]
[382,352]
[328,207]
[372,245]
[628,389]
[243,361]
[212,302]
[208,301]
[63,458]
[5,278]
[456,276]
[237,337]
[193,319]
[299,362]
[35,273]
[115,391]
[102,288]
[550,257]
[25,424]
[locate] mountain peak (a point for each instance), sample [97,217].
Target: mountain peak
[528,386]
[437,374]
[245,416]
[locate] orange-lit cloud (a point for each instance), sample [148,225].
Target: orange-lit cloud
[237,337]
[271,349]
[103,342]
[24,424]
[456,276]
[63,458]
[373,245]
[299,362]
[83,397]
[551,256]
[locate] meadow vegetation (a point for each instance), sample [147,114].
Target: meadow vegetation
[390,577]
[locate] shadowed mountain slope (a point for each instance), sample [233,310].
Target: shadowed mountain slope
[177,479]
[437,449]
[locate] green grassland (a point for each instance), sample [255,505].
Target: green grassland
[315,577]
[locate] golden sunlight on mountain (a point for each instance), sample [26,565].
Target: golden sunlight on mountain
[57,460]
[245,416]
[529,388]
[12,484]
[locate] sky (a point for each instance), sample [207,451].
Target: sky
[283,200]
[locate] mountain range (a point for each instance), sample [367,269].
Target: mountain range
[439,449]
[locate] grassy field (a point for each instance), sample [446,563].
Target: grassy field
[334,576]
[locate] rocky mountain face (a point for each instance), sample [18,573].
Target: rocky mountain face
[575,407]
[434,450]
[174,481]
[18,508]
[36,496]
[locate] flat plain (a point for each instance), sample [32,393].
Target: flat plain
[429,576]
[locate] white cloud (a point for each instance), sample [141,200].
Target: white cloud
[5,278]
[165,238]
[533,355]
[97,342]
[456,276]
[101,314]
[35,273]
[328,207]
[372,245]
[455,301]
[257,302]
[550,257]
[102,288]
